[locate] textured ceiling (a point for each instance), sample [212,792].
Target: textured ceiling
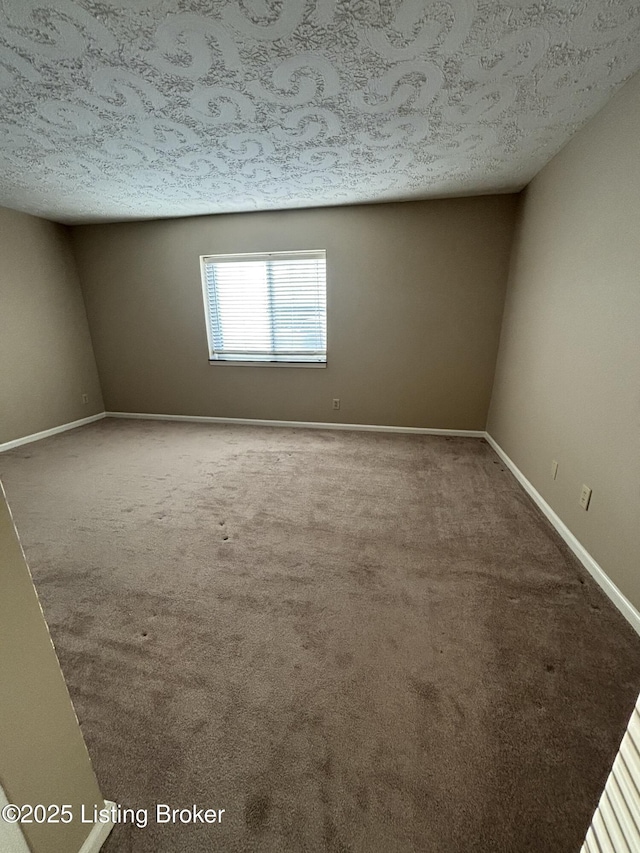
[137,109]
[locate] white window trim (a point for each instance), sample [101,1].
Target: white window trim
[255,256]
[218,362]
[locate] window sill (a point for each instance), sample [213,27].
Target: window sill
[313,364]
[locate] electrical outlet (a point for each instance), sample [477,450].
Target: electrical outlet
[554,469]
[85,398]
[336,402]
[585,497]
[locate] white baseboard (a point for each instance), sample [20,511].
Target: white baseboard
[595,570]
[36,436]
[465,433]
[99,832]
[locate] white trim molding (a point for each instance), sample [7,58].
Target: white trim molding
[99,832]
[12,838]
[595,570]
[36,436]
[464,433]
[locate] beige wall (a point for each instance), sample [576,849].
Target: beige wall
[43,758]
[568,377]
[415,296]
[46,359]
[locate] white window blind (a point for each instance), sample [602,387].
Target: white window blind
[267,307]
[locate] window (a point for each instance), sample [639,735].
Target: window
[267,308]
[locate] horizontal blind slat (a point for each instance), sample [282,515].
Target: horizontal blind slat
[623,814]
[616,822]
[592,842]
[601,834]
[628,774]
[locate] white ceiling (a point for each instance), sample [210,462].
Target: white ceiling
[120,109]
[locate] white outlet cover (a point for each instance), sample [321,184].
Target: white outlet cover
[585,497]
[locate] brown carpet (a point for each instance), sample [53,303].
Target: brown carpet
[349,641]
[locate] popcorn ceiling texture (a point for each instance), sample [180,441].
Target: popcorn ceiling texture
[136,109]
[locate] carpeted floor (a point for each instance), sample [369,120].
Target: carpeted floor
[349,641]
